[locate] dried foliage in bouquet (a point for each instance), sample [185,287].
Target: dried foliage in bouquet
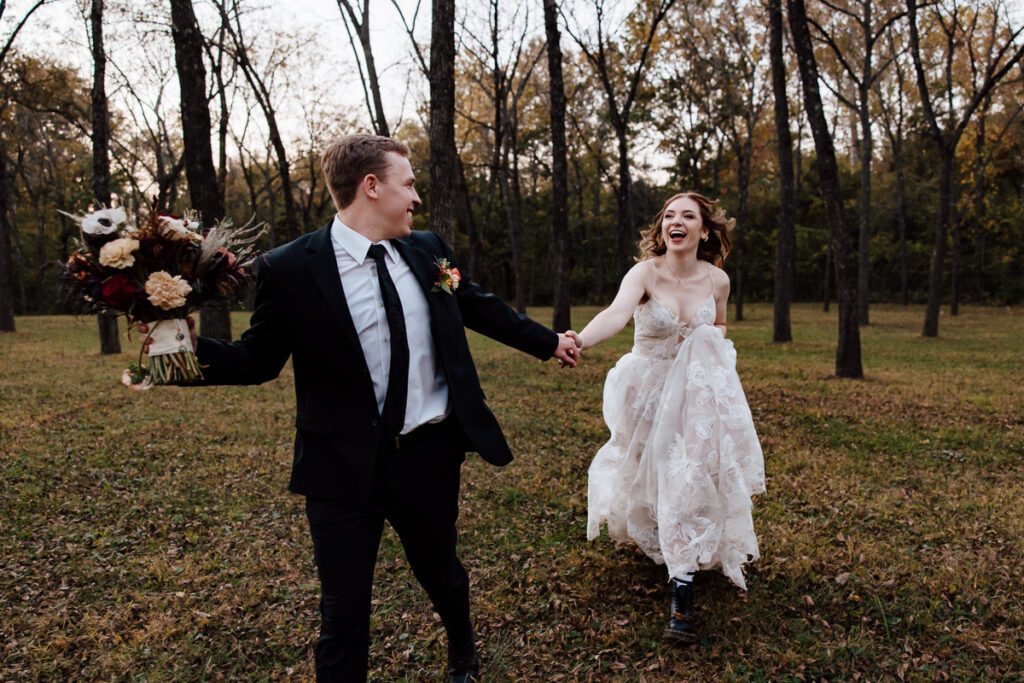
[158,273]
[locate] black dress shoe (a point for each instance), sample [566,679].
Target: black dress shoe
[467,673]
[680,613]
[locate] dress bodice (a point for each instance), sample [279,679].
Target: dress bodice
[658,333]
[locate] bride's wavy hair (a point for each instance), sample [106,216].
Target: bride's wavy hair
[712,217]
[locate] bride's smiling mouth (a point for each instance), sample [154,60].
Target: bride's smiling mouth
[677,234]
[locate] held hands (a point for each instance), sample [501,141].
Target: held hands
[569,349]
[143,329]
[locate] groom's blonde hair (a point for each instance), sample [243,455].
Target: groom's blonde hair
[346,162]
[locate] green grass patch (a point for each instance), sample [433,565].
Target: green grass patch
[150,536]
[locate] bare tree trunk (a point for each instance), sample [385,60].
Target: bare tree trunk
[309,190]
[283,170]
[716,169]
[18,254]
[100,116]
[864,218]
[743,183]
[848,353]
[931,314]
[443,155]
[167,185]
[509,179]
[217,65]
[360,22]
[826,288]
[785,248]
[6,262]
[561,319]
[954,275]
[624,197]
[599,229]
[901,217]
[978,204]
[195,113]
[40,258]
[476,246]
[110,342]
[215,318]
[268,183]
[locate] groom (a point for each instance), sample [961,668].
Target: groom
[388,399]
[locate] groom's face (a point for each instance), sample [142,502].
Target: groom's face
[396,196]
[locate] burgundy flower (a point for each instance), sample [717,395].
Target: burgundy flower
[118,291]
[232,275]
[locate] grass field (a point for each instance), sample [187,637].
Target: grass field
[149,535]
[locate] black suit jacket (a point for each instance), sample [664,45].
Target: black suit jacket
[301,311]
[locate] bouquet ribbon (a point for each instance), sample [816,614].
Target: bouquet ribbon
[172,360]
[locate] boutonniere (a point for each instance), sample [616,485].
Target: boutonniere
[447,277]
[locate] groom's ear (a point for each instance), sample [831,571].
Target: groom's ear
[368,185]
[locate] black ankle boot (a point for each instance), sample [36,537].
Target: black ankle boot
[465,673]
[464,663]
[680,613]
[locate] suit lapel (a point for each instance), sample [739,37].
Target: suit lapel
[423,267]
[420,263]
[323,267]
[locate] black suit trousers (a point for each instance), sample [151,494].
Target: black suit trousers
[416,490]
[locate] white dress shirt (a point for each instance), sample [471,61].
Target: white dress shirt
[428,391]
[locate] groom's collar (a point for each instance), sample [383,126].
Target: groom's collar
[355,243]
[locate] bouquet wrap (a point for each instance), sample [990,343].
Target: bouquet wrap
[172,360]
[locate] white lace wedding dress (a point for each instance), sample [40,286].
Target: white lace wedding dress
[683,460]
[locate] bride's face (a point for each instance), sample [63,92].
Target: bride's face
[681,226]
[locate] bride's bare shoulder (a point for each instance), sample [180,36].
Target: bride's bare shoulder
[644,270]
[643,274]
[719,280]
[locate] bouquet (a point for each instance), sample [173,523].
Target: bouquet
[157,274]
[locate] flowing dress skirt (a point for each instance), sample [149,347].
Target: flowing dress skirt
[683,461]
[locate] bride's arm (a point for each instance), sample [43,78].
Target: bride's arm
[611,320]
[720,281]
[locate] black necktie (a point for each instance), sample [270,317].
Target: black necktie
[393,414]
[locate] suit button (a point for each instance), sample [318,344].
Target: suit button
[373,423]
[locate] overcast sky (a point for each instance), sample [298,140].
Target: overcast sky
[323,62]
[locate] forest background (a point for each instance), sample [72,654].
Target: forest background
[139,538]
[660,96]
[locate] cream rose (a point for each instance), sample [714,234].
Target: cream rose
[119,253]
[166,291]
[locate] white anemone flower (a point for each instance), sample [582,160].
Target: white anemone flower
[103,222]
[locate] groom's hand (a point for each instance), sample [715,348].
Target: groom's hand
[568,351]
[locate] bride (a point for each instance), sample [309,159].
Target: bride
[683,460]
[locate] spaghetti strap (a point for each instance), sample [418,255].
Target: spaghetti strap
[711,281]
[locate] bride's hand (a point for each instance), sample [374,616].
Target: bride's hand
[569,348]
